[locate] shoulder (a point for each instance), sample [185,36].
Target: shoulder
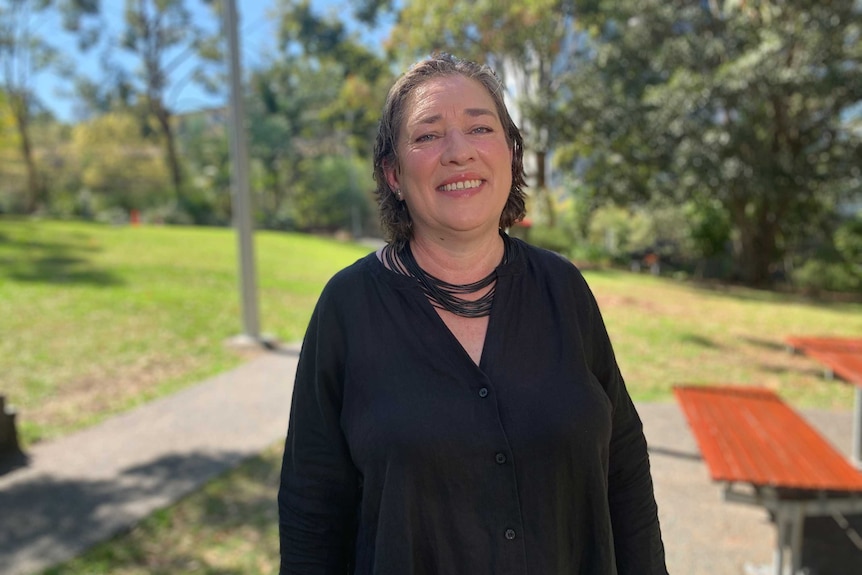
[348,281]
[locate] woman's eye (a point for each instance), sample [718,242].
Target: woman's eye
[482,130]
[425,138]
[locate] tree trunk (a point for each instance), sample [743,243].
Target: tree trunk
[164,119]
[756,249]
[35,193]
[542,189]
[277,190]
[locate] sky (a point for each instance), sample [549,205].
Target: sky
[257,43]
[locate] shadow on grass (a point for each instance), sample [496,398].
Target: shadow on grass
[761,295]
[698,340]
[47,520]
[52,262]
[812,372]
[766,344]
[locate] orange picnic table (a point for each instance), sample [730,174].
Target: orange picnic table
[841,356]
[766,454]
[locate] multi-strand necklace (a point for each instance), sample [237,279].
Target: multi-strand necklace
[442,294]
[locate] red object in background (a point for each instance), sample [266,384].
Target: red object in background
[134,217]
[842,355]
[749,435]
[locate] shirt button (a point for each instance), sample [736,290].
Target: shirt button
[483,392]
[510,534]
[501,458]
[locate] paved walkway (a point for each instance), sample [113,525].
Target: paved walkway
[86,487]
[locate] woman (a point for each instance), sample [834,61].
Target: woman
[457,405]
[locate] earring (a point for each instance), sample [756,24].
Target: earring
[399,195]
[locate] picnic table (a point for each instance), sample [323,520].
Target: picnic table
[766,454]
[842,357]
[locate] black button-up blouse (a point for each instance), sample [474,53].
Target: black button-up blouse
[403,457]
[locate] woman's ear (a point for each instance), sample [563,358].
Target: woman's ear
[391,172]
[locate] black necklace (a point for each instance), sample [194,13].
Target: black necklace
[442,294]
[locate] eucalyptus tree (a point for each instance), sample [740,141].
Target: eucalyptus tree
[738,104]
[162,37]
[25,52]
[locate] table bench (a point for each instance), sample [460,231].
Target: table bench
[841,356]
[766,454]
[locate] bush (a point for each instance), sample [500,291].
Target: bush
[819,275]
[170,213]
[555,239]
[114,216]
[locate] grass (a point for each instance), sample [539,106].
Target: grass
[96,319]
[230,527]
[668,332]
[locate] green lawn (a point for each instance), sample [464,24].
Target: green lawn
[95,319]
[230,527]
[668,332]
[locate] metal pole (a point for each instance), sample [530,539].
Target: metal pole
[857,427]
[241,195]
[797,526]
[780,545]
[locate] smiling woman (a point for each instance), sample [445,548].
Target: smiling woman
[452,163]
[457,405]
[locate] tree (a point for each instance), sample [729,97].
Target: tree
[203,140]
[362,76]
[313,114]
[117,164]
[161,35]
[740,103]
[284,100]
[531,43]
[24,53]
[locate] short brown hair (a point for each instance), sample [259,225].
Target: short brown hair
[394,215]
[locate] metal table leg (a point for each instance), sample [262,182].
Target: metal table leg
[857,428]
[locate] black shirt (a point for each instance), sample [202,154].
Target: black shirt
[405,457]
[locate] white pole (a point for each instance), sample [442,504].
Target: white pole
[241,194]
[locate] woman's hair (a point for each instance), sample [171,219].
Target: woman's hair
[394,216]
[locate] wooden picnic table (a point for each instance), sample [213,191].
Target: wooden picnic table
[766,454]
[841,356]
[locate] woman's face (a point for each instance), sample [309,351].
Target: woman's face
[454,165]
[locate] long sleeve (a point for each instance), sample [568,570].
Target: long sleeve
[634,514]
[319,490]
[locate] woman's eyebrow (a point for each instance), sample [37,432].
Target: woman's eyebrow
[472,112]
[476,112]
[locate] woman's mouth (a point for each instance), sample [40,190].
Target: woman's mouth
[461,185]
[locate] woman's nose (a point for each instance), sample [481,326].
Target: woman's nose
[457,148]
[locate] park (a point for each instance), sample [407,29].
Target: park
[700,167]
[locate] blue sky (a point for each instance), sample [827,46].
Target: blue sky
[257,41]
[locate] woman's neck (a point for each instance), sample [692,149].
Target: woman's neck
[458,262]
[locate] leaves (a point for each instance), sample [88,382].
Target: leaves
[739,103]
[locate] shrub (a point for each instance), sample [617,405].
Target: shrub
[818,275]
[555,239]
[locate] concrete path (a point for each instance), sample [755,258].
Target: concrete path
[86,487]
